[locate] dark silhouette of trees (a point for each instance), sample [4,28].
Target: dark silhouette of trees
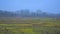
[27,13]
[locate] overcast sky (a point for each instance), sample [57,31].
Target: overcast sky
[44,5]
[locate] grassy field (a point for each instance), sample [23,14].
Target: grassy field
[29,26]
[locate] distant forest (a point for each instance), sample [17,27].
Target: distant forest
[28,13]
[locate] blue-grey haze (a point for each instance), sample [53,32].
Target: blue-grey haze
[52,6]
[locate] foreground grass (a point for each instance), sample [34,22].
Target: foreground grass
[29,26]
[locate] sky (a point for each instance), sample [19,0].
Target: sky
[52,6]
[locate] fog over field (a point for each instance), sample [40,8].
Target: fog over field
[29,16]
[27,22]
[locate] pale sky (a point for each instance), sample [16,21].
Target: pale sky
[44,5]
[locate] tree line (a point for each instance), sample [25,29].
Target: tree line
[28,13]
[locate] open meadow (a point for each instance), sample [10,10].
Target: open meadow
[29,26]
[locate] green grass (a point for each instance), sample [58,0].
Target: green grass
[29,26]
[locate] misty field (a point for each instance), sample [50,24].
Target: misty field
[29,26]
